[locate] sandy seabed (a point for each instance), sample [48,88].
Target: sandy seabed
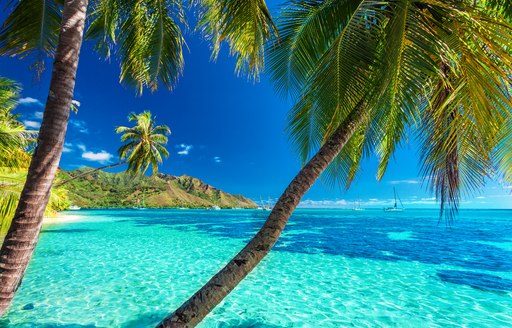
[62,218]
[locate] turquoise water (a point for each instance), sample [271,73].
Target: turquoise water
[332,268]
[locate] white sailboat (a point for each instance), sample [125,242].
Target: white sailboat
[263,206]
[395,208]
[268,206]
[357,207]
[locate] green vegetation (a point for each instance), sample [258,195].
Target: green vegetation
[143,143]
[124,190]
[15,144]
[143,146]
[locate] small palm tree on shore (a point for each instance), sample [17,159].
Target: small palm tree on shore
[144,146]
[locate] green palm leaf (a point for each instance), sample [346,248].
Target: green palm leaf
[245,25]
[32,27]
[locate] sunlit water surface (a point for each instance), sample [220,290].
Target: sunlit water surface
[331,268]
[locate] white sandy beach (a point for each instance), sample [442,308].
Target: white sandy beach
[62,218]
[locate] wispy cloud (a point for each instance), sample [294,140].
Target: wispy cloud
[32,124]
[371,202]
[217,159]
[28,101]
[101,157]
[396,182]
[81,147]
[184,149]
[324,203]
[68,147]
[81,126]
[38,115]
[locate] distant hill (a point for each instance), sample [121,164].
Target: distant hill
[101,190]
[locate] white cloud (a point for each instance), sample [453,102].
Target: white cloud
[79,125]
[184,149]
[28,101]
[68,147]
[395,182]
[81,147]
[38,115]
[32,124]
[102,156]
[370,203]
[217,159]
[324,203]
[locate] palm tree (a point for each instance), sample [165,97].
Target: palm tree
[144,146]
[146,36]
[13,140]
[13,135]
[363,72]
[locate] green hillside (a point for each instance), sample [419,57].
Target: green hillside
[101,190]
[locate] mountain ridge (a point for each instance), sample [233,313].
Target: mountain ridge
[122,190]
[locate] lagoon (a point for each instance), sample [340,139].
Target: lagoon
[331,268]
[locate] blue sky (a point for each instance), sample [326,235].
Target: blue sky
[226,130]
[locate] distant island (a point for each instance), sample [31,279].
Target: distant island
[122,190]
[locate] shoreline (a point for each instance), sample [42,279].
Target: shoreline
[62,218]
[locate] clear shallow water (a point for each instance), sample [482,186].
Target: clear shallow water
[332,268]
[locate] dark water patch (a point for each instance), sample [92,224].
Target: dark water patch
[28,307]
[146,320]
[433,244]
[481,281]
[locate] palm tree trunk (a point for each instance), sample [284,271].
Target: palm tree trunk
[23,234]
[211,294]
[86,173]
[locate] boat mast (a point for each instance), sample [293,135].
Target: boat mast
[394,191]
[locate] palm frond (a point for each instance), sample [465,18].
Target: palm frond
[469,106]
[31,28]
[503,154]
[407,65]
[104,21]
[306,31]
[340,80]
[151,44]
[9,94]
[245,25]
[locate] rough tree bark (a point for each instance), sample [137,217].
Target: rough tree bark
[214,291]
[23,234]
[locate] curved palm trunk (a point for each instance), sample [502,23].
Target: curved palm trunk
[23,234]
[211,294]
[86,173]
